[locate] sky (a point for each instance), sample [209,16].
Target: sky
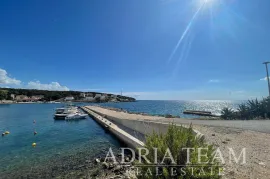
[149,49]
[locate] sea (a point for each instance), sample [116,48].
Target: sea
[64,146]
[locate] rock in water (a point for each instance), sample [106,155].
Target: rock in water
[117,168]
[97,160]
[110,166]
[105,165]
[127,159]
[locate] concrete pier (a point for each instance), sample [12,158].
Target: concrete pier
[128,139]
[133,124]
[253,125]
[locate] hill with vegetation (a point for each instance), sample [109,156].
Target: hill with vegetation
[25,95]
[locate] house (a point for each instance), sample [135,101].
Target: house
[98,95]
[113,96]
[89,99]
[12,96]
[69,98]
[89,95]
[22,98]
[103,97]
[37,97]
[82,95]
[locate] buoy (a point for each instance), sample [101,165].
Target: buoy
[7,132]
[35,132]
[34,121]
[34,145]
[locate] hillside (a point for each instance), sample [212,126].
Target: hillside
[26,95]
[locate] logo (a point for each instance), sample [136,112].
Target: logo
[177,162]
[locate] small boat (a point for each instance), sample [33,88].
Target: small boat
[59,110]
[61,113]
[76,116]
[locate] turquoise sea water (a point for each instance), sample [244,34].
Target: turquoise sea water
[61,146]
[175,107]
[57,141]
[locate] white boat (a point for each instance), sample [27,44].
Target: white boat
[76,116]
[59,110]
[61,113]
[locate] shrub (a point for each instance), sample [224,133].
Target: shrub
[265,107]
[244,111]
[228,114]
[251,110]
[176,139]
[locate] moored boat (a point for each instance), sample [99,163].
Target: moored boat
[76,116]
[61,113]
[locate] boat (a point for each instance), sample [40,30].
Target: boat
[76,116]
[61,113]
[59,110]
[200,113]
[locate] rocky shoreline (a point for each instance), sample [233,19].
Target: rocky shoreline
[78,165]
[113,170]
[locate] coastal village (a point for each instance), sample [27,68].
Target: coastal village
[7,97]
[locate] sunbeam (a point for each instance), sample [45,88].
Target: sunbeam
[185,31]
[184,52]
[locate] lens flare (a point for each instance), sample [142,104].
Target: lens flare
[185,32]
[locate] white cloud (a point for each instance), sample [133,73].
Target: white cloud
[264,79]
[5,79]
[213,81]
[54,86]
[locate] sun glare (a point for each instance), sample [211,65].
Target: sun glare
[207,2]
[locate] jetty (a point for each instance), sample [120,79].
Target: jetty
[135,121]
[200,113]
[131,128]
[125,137]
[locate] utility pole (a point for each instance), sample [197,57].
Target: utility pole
[267,76]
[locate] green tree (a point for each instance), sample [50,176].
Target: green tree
[3,94]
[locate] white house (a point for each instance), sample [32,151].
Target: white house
[98,95]
[89,99]
[103,98]
[69,98]
[22,98]
[82,95]
[113,96]
[89,95]
[12,96]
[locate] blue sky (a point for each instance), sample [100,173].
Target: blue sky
[151,49]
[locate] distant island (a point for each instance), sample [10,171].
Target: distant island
[14,95]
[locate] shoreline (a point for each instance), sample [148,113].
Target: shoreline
[61,102]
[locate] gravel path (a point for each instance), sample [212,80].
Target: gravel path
[257,150]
